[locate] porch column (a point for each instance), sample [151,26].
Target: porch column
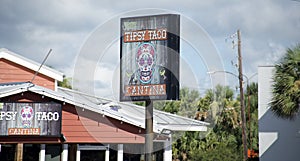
[64,154]
[120,152]
[107,153]
[19,152]
[168,149]
[78,153]
[42,153]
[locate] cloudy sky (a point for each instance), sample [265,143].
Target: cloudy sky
[30,28]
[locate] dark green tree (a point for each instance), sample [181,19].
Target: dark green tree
[224,138]
[251,99]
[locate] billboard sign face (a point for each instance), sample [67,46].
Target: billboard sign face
[42,119]
[149,58]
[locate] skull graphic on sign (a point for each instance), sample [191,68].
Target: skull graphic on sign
[26,116]
[145,58]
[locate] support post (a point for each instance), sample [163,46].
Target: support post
[19,152]
[120,152]
[149,130]
[168,149]
[42,155]
[64,152]
[78,153]
[244,135]
[107,153]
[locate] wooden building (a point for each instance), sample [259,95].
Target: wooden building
[44,122]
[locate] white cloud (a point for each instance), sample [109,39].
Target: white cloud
[31,28]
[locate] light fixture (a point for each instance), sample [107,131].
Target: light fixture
[63,138]
[43,94]
[166,132]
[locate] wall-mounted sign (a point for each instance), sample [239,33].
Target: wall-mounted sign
[30,119]
[150,58]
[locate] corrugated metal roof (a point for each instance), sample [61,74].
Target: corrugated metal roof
[126,112]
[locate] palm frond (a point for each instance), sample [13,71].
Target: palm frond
[286,85]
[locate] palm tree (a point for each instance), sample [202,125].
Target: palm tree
[286,87]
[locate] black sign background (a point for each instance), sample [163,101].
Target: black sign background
[26,117]
[166,68]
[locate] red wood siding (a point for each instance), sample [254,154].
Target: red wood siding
[97,130]
[12,72]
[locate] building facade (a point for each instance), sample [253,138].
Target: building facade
[41,121]
[279,139]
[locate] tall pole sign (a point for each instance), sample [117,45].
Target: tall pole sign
[149,57]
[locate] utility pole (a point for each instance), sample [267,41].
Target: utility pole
[244,136]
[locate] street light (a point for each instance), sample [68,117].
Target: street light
[244,136]
[221,71]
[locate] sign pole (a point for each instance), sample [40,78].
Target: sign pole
[149,130]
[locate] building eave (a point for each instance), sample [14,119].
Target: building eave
[162,120]
[34,66]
